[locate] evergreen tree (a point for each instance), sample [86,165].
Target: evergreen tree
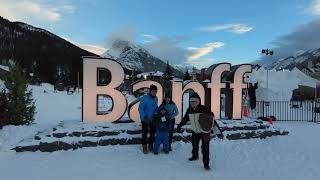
[3,107]
[186,75]
[168,71]
[21,107]
[165,79]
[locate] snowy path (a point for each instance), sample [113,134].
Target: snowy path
[286,158]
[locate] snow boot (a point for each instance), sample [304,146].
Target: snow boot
[207,167]
[193,158]
[170,147]
[145,149]
[150,147]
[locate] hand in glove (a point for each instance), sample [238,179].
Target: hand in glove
[179,129]
[220,136]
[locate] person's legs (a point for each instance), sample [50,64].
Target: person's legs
[171,133]
[152,130]
[144,133]
[144,137]
[205,149]
[157,142]
[165,141]
[195,146]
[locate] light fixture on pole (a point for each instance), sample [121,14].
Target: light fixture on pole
[267,52]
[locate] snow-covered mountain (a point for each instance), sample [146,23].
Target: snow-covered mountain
[40,52]
[132,56]
[306,61]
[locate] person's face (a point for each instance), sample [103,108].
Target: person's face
[194,103]
[153,92]
[167,100]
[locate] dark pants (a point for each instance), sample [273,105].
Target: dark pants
[148,127]
[253,102]
[173,121]
[196,137]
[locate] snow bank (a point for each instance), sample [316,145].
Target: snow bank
[292,157]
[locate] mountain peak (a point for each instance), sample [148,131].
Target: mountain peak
[132,56]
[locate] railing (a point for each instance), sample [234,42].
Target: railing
[287,110]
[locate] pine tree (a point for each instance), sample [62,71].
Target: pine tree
[3,107]
[165,79]
[186,75]
[21,107]
[168,73]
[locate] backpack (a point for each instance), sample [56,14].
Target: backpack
[206,122]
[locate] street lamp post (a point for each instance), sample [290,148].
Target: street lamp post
[267,52]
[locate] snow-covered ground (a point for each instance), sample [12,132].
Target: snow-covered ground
[292,157]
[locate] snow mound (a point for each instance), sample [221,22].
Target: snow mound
[280,83]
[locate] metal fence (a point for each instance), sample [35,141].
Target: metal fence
[287,110]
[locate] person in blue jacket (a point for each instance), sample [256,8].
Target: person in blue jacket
[148,108]
[172,111]
[163,124]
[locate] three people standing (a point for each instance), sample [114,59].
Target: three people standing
[162,120]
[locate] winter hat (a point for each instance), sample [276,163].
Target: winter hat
[168,95]
[153,87]
[194,97]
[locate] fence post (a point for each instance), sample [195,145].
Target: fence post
[313,111]
[263,108]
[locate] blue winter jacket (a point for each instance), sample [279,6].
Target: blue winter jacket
[148,107]
[166,125]
[171,109]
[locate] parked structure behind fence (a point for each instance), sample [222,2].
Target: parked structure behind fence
[287,110]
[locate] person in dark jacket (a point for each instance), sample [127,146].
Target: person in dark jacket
[148,108]
[172,112]
[192,115]
[163,124]
[252,94]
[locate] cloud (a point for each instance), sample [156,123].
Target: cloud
[305,37]
[92,48]
[164,48]
[27,10]
[314,8]
[167,48]
[197,53]
[127,33]
[149,38]
[234,28]
[69,8]
[202,62]
[96,49]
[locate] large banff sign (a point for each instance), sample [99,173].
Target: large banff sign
[92,89]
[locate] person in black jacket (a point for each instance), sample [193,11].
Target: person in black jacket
[252,94]
[192,115]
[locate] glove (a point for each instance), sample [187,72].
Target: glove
[146,121]
[179,129]
[220,136]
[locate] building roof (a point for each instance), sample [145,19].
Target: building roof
[5,68]
[152,73]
